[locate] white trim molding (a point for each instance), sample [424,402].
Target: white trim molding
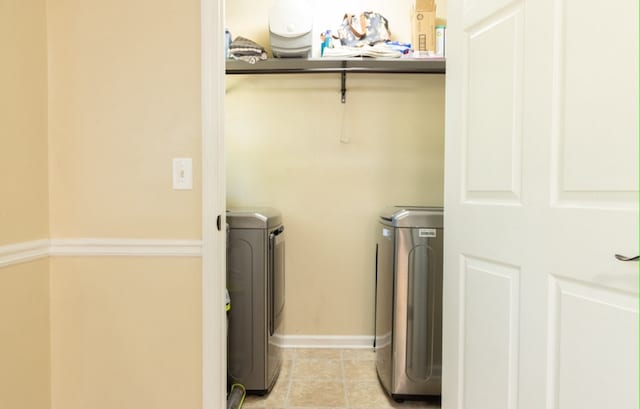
[126,247]
[325,341]
[32,250]
[214,336]
[23,252]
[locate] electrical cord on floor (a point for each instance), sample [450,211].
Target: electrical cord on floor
[236,396]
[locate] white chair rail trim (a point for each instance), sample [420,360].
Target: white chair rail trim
[23,252]
[32,250]
[126,247]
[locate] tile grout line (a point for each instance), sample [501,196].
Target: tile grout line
[290,380]
[344,379]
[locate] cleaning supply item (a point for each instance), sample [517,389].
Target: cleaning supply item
[326,41]
[235,399]
[440,40]
[227,43]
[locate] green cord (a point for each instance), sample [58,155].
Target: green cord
[244,393]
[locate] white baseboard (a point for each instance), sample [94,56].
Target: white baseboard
[126,247]
[23,252]
[325,341]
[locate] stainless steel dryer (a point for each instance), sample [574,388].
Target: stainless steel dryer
[255,280]
[408,339]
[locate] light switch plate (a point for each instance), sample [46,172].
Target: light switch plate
[182,174]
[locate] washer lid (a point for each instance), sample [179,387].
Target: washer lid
[413,216]
[253,218]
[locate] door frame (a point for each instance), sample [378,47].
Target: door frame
[212,17]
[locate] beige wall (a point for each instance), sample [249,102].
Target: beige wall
[24,288]
[24,336]
[289,156]
[23,121]
[126,333]
[124,99]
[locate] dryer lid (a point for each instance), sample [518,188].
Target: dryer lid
[413,216]
[253,218]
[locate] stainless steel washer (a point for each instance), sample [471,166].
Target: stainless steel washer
[255,280]
[408,339]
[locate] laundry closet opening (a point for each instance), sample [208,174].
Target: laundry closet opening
[330,168]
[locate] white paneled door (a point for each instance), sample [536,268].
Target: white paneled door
[541,193]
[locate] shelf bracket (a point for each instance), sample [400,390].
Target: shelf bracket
[343,89]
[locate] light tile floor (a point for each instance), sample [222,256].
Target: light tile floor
[330,379]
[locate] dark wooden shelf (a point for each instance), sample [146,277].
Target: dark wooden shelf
[349,65]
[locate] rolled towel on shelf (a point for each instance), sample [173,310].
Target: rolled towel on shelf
[246,50]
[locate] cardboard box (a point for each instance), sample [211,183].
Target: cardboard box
[425,5]
[423,26]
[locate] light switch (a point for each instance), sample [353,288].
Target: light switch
[182,174]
